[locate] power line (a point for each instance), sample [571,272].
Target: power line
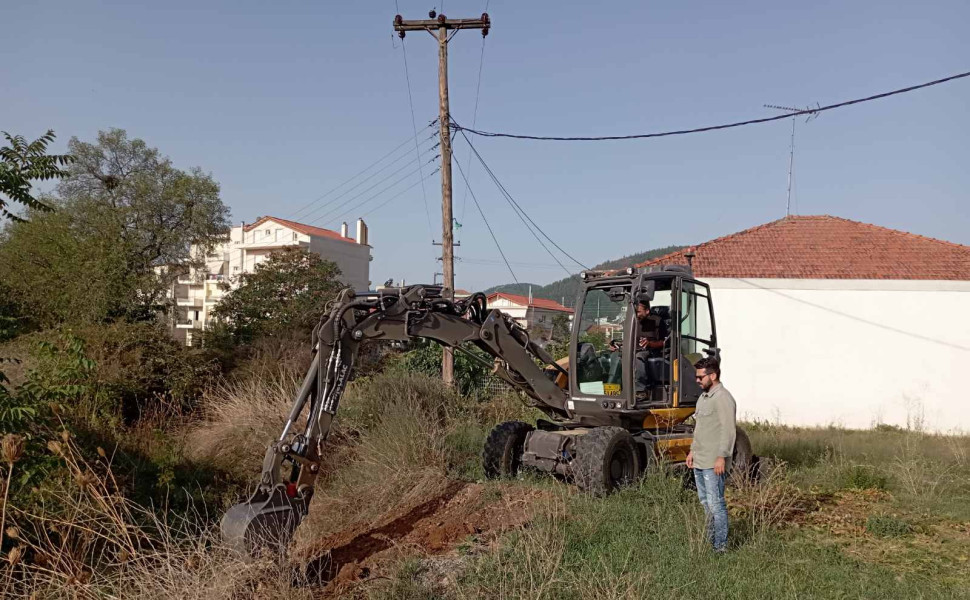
[524,222]
[399,194]
[380,193]
[368,168]
[509,197]
[478,91]
[407,77]
[344,193]
[715,127]
[329,214]
[492,233]
[377,183]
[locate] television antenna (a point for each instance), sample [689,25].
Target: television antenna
[812,114]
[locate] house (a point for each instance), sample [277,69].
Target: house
[197,292]
[531,313]
[822,320]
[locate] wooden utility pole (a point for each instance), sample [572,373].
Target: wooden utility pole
[442,25]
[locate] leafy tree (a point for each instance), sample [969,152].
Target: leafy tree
[22,163]
[425,357]
[560,327]
[123,213]
[289,291]
[122,190]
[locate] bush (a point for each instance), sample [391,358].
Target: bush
[887,526]
[863,477]
[425,357]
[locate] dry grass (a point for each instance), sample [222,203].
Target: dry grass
[98,544]
[240,420]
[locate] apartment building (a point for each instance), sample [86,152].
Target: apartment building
[197,292]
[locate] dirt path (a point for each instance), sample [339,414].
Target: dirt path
[433,525]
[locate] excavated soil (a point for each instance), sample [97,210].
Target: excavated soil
[430,526]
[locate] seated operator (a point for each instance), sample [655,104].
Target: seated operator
[650,343]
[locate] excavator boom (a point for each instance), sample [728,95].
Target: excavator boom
[272,513]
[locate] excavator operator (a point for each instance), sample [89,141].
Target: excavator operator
[650,343]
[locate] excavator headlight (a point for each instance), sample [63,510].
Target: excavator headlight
[631,270]
[583,275]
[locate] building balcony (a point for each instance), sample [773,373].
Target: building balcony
[188,301]
[188,325]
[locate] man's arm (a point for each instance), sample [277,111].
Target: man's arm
[726,416]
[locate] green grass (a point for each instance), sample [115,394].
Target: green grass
[849,514]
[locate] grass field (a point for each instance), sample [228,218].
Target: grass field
[883,513]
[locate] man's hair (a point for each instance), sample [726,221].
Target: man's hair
[711,365]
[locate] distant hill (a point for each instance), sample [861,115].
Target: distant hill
[565,290]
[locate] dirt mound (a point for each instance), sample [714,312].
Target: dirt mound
[430,526]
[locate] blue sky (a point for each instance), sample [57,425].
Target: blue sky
[283,101]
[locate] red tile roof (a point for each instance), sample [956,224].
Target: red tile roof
[300,227]
[536,302]
[825,247]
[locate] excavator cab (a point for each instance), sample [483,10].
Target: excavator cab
[632,358]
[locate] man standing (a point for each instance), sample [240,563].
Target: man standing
[711,450]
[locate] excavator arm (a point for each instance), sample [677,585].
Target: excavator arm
[291,464]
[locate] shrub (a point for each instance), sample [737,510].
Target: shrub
[863,477]
[887,526]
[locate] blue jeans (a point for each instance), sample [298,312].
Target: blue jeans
[710,490]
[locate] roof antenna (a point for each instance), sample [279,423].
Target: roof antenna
[689,255]
[812,113]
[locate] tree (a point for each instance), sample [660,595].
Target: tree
[287,292]
[122,213]
[22,163]
[121,189]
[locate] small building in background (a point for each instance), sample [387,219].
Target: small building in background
[197,292]
[826,321]
[535,314]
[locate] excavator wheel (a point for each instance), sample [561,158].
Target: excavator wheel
[742,461]
[606,459]
[502,455]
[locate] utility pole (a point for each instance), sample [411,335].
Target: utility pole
[439,26]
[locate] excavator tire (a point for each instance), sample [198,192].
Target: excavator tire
[606,459]
[742,461]
[502,455]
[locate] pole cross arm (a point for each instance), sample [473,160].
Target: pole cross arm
[401,25]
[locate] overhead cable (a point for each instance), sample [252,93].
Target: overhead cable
[807,111]
[328,215]
[407,77]
[367,168]
[524,222]
[370,177]
[478,91]
[492,233]
[399,194]
[512,201]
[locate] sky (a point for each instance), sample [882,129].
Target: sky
[282,102]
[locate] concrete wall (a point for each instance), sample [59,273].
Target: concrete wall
[353,260]
[848,352]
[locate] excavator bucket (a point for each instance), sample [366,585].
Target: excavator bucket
[266,521]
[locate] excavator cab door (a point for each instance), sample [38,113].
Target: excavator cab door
[694,336]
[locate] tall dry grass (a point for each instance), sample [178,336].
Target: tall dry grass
[98,544]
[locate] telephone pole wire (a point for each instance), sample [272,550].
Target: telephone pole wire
[441,25]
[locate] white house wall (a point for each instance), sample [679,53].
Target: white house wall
[847,352]
[353,260]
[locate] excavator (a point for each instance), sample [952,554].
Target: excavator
[611,409]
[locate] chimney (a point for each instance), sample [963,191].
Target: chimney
[344,229]
[530,295]
[361,232]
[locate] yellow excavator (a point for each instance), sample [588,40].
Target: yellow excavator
[611,408]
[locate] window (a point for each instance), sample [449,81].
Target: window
[296,236]
[696,329]
[268,233]
[599,368]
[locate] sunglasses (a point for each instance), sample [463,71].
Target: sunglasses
[701,377]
